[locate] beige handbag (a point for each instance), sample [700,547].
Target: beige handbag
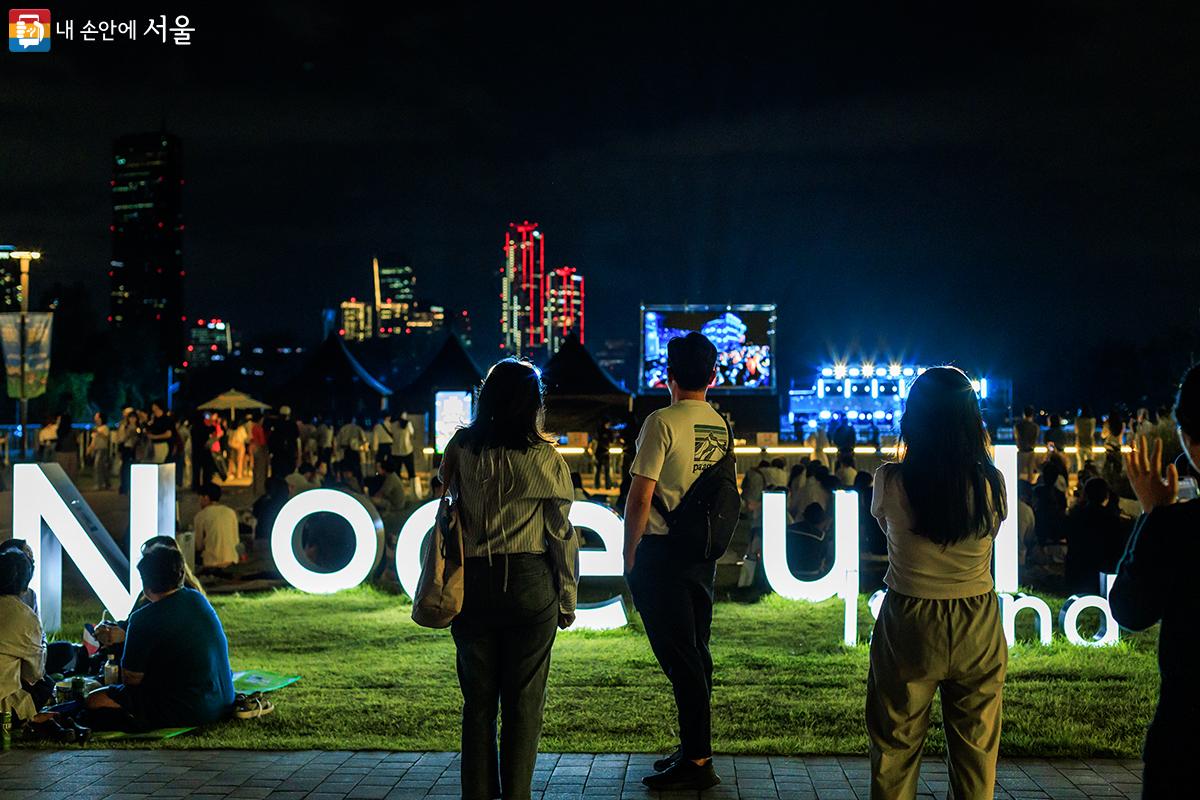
[440,591]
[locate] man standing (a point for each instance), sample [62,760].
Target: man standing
[673,591]
[402,447]
[1026,433]
[382,439]
[603,458]
[99,452]
[258,455]
[283,440]
[216,527]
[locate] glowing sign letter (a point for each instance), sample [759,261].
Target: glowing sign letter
[608,562]
[1006,546]
[842,579]
[50,514]
[408,546]
[1010,606]
[1068,618]
[368,539]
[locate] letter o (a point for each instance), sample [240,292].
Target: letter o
[1068,618]
[366,526]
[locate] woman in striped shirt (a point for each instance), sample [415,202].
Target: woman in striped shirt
[514,494]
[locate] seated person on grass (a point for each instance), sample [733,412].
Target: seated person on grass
[175,669]
[22,643]
[216,527]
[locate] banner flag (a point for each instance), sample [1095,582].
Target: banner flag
[37,352]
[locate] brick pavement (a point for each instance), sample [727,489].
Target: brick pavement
[93,774]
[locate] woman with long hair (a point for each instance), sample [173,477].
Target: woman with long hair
[939,627]
[513,491]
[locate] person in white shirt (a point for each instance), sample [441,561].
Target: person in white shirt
[216,529]
[239,435]
[672,590]
[381,439]
[402,445]
[351,439]
[22,643]
[99,452]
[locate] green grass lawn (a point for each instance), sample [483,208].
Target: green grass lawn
[785,684]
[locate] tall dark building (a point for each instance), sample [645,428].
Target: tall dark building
[147,241]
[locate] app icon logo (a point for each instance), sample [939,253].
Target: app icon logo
[29,30]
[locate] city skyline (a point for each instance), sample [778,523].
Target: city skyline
[939,187]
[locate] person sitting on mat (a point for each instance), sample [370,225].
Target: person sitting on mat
[72,658]
[24,688]
[175,668]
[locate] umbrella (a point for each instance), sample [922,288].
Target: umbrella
[232,400]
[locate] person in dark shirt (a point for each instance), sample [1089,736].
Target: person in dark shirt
[175,667]
[1096,536]
[809,544]
[1155,583]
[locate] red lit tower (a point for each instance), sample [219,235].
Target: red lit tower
[523,285]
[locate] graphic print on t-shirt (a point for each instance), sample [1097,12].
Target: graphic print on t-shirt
[710,446]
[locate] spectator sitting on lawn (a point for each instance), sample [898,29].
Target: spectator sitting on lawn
[175,669]
[391,495]
[216,527]
[22,643]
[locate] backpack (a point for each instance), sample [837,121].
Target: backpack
[706,517]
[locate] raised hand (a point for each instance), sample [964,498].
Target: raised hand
[1144,467]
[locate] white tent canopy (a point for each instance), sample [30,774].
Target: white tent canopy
[232,400]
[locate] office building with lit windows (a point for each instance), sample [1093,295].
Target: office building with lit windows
[147,274]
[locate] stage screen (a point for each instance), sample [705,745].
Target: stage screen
[452,410]
[744,336]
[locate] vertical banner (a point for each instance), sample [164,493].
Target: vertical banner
[37,352]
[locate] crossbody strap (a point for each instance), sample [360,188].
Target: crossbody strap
[660,505]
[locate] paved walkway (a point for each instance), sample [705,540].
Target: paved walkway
[93,774]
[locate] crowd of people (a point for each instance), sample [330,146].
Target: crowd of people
[932,515]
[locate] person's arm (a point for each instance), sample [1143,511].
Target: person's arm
[1138,595]
[637,514]
[33,662]
[653,442]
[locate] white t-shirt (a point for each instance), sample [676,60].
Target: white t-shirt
[216,529]
[675,445]
[402,429]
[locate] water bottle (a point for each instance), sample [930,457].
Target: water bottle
[6,726]
[112,671]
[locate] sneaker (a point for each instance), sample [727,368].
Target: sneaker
[663,764]
[684,774]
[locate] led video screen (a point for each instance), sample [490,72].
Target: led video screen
[744,337]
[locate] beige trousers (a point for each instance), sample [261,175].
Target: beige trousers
[921,646]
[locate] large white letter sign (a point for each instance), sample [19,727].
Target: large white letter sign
[609,562]
[364,523]
[842,579]
[604,521]
[408,546]
[50,514]
[1006,547]
[1011,605]
[1068,618]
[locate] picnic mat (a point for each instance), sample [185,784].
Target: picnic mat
[244,682]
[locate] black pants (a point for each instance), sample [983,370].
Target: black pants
[603,465]
[503,637]
[674,596]
[410,468]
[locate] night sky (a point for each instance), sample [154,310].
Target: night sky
[1005,192]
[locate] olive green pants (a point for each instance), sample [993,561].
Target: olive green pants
[920,646]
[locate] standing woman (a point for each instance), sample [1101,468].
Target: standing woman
[939,627]
[514,494]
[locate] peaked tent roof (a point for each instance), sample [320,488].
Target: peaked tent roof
[451,368]
[572,372]
[333,382]
[580,394]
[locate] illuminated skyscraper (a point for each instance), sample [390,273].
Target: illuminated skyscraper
[209,339]
[523,289]
[147,273]
[356,320]
[564,307]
